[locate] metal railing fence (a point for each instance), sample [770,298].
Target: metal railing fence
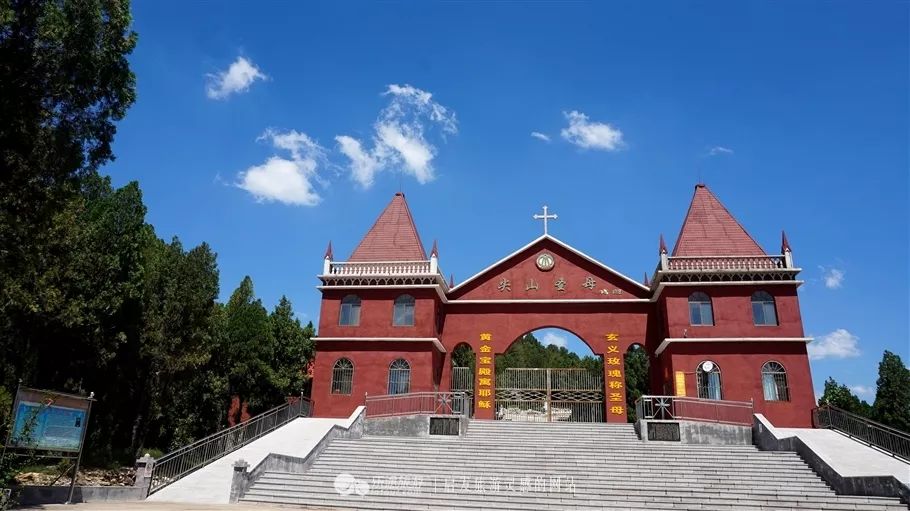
[417,403]
[886,438]
[177,464]
[694,409]
[533,394]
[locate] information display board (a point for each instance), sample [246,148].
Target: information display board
[48,421]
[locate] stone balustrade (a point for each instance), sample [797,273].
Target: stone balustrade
[731,263]
[362,269]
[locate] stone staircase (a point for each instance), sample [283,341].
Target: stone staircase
[505,465]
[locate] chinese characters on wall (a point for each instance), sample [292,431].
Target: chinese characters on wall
[485,372]
[560,285]
[615,382]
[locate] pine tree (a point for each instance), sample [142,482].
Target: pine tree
[892,396]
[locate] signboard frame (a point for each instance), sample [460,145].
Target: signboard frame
[50,412]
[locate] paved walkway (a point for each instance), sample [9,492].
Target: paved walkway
[212,483]
[847,456]
[155,506]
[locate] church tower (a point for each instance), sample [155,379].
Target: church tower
[729,317]
[379,317]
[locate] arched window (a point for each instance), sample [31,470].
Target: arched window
[774,382]
[350,311]
[403,314]
[343,377]
[399,377]
[700,309]
[763,312]
[708,379]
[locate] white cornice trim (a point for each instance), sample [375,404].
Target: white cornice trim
[660,287]
[670,340]
[434,340]
[563,245]
[554,301]
[437,287]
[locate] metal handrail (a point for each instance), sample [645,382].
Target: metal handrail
[417,403]
[181,462]
[694,409]
[891,440]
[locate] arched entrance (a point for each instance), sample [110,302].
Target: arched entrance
[463,364]
[549,375]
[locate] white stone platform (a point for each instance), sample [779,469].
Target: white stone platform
[849,457]
[212,484]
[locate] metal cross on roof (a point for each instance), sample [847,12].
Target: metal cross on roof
[545,217]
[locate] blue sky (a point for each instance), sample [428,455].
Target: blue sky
[267,129]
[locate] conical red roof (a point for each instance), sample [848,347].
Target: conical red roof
[393,237]
[710,230]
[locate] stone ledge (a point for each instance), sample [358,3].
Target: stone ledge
[767,439]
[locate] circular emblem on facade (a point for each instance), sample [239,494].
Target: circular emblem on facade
[545,262]
[707,366]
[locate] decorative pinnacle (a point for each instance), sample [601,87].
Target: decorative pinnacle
[646,281]
[663,245]
[451,280]
[784,243]
[435,251]
[328,252]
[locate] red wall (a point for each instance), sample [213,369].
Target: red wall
[376,313]
[732,308]
[371,371]
[636,321]
[740,366]
[569,266]
[508,322]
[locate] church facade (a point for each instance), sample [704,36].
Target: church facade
[719,318]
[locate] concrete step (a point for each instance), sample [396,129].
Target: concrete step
[462,449]
[662,486]
[430,466]
[539,500]
[608,467]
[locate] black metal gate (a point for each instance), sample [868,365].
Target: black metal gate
[463,381]
[550,395]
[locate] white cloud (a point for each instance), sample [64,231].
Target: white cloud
[589,134]
[554,339]
[363,164]
[286,180]
[837,344]
[540,136]
[863,390]
[238,78]
[716,150]
[834,278]
[400,137]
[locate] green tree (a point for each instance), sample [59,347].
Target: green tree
[463,356]
[64,81]
[841,396]
[293,349]
[248,347]
[529,352]
[892,396]
[636,374]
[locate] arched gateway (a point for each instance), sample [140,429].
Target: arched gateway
[406,310]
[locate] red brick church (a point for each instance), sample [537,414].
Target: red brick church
[719,318]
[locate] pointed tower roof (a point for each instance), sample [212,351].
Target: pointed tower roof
[328,252]
[393,237]
[784,243]
[710,230]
